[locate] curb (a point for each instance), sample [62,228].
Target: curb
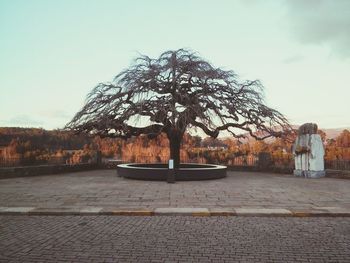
[181,211]
[127,213]
[178,211]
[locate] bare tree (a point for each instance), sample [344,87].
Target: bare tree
[175,92]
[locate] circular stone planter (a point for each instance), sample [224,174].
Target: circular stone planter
[159,172]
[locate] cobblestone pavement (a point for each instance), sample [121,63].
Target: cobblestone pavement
[103,188]
[173,239]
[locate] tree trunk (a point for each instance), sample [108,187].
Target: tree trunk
[175,145]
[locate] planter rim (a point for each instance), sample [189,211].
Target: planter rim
[207,166]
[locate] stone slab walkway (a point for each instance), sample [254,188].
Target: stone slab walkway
[241,193]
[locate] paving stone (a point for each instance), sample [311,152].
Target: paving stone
[309,212]
[173,239]
[55,211]
[17,209]
[90,210]
[133,212]
[222,211]
[102,188]
[262,211]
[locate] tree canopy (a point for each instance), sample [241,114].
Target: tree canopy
[172,93]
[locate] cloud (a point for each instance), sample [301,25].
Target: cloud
[293,59]
[21,120]
[321,22]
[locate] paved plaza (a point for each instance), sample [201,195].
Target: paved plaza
[100,190]
[173,239]
[94,235]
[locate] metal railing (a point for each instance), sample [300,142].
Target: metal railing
[249,160]
[337,164]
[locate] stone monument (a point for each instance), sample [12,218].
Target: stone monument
[308,152]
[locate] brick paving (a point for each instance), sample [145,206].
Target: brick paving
[173,239]
[104,189]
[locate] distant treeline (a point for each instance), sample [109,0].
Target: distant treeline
[32,144]
[43,139]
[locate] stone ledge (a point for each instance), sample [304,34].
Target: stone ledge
[262,212]
[128,213]
[16,210]
[180,211]
[222,212]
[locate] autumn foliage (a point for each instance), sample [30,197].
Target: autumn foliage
[29,146]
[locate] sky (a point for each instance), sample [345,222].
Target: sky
[53,53]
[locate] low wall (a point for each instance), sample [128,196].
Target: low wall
[243,168]
[343,174]
[10,172]
[160,172]
[110,165]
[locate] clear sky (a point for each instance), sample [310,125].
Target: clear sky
[52,53]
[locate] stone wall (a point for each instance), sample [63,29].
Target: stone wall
[10,172]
